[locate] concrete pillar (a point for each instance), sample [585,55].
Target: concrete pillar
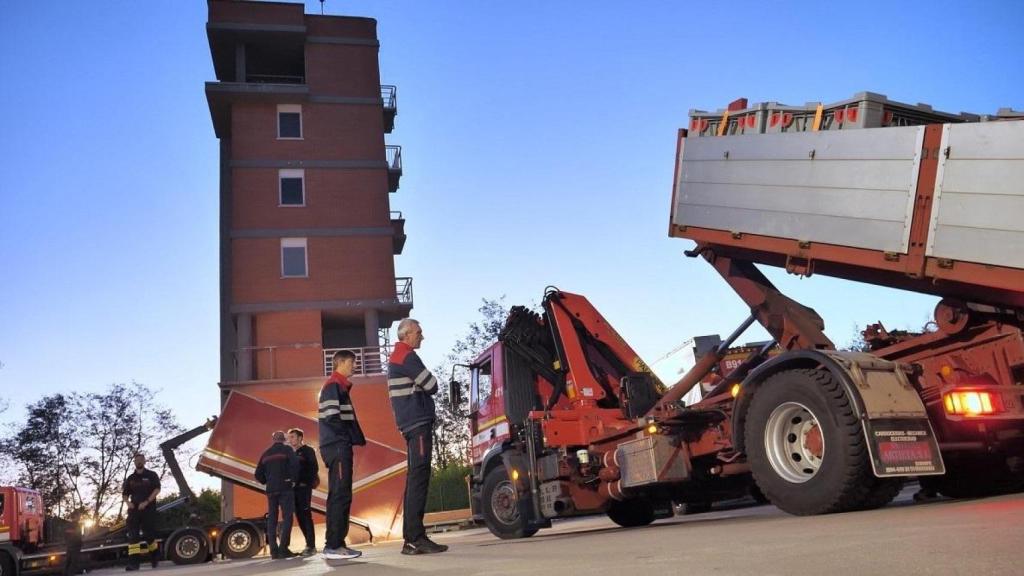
[240,62]
[372,362]
[244,341]
[371,321]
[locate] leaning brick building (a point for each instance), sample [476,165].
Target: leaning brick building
[308,237]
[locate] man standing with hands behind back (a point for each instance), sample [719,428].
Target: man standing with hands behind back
[410,387]
[339,432]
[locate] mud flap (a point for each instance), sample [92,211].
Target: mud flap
[903,447]
[899,434]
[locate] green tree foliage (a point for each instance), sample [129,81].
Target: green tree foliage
[448,489]
[77,448]
[207,503]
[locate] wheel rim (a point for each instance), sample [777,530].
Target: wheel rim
[239,541]
[187,546]
[503,503]
[794,443]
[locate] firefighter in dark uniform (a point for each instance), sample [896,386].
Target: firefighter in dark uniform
[410,388]
[140,491]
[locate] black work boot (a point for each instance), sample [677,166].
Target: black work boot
[423,546]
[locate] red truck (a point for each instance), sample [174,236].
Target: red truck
[567,419]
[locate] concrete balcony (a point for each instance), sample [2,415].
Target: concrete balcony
[398,224]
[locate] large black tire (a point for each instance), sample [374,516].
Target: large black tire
[806,447]
[188,546]
[6,564]
[632,513]
[501,509]
[975,478]
[240,541]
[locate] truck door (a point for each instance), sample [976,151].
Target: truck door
[489,426]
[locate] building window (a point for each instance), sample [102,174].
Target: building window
[289,121]
[293,258]
[291,187]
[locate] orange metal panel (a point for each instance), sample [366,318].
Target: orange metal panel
[243,433]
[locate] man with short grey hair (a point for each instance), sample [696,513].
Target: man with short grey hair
[410,387]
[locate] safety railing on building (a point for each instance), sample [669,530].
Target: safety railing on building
[370,360]
[251,355]
[403,290]
[394,158]
[274,79]
[396,215]
[389,95]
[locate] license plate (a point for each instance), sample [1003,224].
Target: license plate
[903,447]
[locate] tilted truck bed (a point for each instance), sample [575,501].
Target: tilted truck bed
[243,432]
[938,209]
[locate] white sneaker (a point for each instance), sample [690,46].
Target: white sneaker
[342,553]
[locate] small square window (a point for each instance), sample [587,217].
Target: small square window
[292,189]
[293,258]
[289,121]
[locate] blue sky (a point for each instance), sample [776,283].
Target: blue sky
[538,143]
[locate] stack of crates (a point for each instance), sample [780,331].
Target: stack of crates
[863,110]
[740,120]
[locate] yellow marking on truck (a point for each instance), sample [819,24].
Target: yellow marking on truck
[378,480]
[491,422]
[817,118]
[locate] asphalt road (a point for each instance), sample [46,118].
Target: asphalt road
[972,537]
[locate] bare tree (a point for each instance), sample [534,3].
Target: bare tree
[77,449]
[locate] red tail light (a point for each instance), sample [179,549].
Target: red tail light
[972,403]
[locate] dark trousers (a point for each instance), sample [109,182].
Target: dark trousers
[304,514]
[285,502]
[141,525]
[338,458]
[419,443]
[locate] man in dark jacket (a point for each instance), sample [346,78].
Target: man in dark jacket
[140,491]
[410,387]
[278,469]
[339,432]
[309,478]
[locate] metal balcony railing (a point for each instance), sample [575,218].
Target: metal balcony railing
[403,289]
[396,215]
[370,360]
[389,95]
[274,79]
[394,158]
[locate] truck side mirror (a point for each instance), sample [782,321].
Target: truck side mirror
[454,394]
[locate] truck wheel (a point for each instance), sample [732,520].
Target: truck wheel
[188,546]
[632,513]
[239,541]
[501,509]
[806,447]
[6,564]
